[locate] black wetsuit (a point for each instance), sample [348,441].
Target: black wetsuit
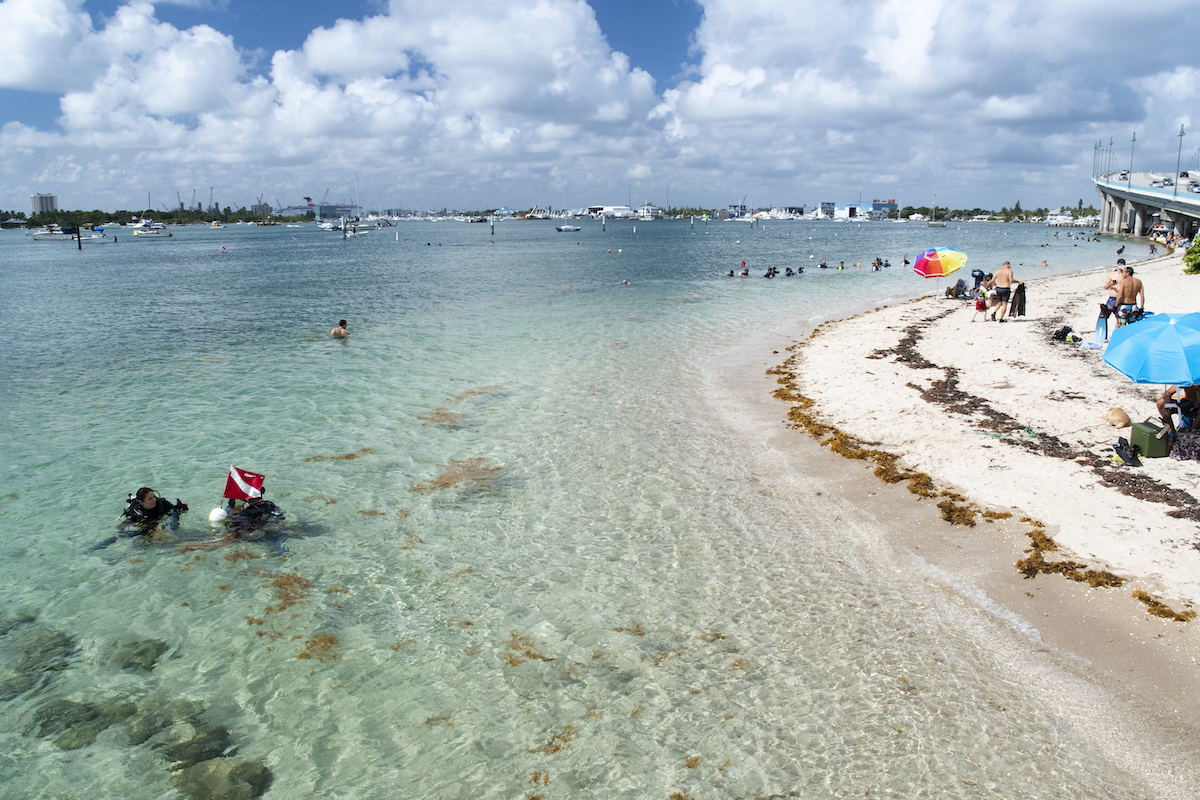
[147,518]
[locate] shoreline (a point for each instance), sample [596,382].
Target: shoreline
[1006,428]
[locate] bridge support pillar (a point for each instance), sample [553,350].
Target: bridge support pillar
[1139,220]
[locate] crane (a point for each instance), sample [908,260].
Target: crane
[180,199]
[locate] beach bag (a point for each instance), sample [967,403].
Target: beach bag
[1060,335]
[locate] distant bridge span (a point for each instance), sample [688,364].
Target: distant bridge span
[1134,206]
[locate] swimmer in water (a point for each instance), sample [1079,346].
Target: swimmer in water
[340,331]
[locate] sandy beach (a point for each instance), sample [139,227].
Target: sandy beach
[1002,432]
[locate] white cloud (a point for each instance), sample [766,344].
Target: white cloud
[482,101]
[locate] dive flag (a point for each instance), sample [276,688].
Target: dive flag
[243,485]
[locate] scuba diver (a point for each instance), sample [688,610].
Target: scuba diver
[144,510]
[246,514]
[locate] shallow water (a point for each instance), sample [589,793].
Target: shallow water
[608,593]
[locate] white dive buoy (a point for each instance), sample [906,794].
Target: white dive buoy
[218,515]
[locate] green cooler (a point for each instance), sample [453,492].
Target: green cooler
[1145,436]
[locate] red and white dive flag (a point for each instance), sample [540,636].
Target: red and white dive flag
[243,485]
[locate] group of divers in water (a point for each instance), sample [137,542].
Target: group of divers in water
[244,514]
[146,513]
[875,266]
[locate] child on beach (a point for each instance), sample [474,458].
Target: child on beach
[980,305]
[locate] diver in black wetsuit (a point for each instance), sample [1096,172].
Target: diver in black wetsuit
[143,513]
[146,509]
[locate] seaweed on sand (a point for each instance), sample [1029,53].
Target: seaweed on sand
[1161,609]
[1036,563]
[481,472]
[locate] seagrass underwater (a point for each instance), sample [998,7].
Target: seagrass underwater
[538,540]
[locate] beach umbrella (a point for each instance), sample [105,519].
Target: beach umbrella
[939,262]
[1163,348]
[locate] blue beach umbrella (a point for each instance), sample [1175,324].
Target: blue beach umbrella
[1164,348]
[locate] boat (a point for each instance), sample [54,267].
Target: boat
[216,224]
[149,229]
[934,222]
[54,233]
[567,228]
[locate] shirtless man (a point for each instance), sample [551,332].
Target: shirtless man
[340,331]
[1110,283]
[1004,283]
[1131,296]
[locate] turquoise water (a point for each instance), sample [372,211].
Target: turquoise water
[625,578]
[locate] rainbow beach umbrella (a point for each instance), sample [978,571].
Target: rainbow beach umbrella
[939,262]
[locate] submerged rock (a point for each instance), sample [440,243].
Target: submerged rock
[10,621]
[196,743]
[42,650]
[79,723]
[151,720]
[137,655]
[37,652]
[225,778]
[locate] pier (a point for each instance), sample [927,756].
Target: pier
[1133,205]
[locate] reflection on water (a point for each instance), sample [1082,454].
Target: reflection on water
[526,552]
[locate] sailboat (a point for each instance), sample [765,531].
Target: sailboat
[933,220]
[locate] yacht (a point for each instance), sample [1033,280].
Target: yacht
[149,229]
[54,233]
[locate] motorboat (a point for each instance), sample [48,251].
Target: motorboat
[55,233]
[216,224]
[149,229]
[567,228]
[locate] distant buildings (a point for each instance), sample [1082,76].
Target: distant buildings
[44,202]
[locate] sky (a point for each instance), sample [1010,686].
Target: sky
[421,104]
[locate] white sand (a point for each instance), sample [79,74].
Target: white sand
[1048,387]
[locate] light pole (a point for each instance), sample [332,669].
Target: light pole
[1095,151]
[1129,179]
[1177,157]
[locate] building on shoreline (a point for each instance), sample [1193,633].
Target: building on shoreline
[43,203]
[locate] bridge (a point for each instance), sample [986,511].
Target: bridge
[1133,204]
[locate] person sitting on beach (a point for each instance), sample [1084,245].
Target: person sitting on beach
[340,331]
[957,290]
[1184,398]
[1131,298]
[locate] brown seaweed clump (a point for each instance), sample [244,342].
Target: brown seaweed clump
[521,649]
[441,416]
[366,451]
[478,471]
[290,589]
[636,630]
[1035,563]
[1161,609]
[458,398]
[559,741]
[320,647]
[240,555]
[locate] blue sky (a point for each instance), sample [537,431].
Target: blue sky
[472,106]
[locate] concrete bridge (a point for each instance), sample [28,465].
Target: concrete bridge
[1133,205]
